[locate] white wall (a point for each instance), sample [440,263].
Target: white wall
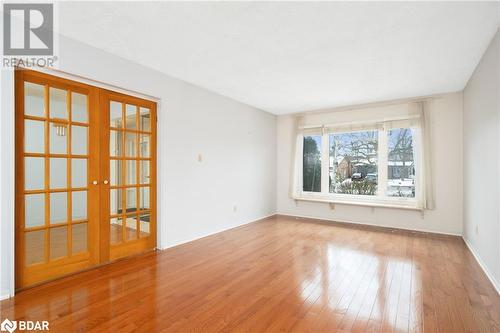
[482,161]
[237,143]
[446,135]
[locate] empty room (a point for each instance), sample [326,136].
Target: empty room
[241,166]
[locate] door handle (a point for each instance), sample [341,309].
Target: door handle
[105,182]
[95,182]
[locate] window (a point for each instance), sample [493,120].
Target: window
[311,164]
[353,163]
[374,165]
[400,165]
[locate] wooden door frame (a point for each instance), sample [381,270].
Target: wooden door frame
[135,246]
[18,77]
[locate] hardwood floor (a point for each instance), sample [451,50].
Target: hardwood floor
[277,275]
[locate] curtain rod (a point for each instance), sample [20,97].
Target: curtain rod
[362,122]
[371,105]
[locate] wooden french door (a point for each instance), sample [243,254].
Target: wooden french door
[74,158]
[128,158]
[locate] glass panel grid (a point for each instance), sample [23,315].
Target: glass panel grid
[52,211]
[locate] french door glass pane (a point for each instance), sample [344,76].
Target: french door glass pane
[115,201]
[34,247]
[79,140]
[115,230]
[79,205]
[58,103]
[131,197]
[58,173]
[131,232]
[58,242]
[144,118]
[34,210]
[34,136]
[34,96]
[130,144]
[79,238]
[79,111]
[144,225]
[144,145]
[115,172]
[131,116]
[58,207]
[115,115]
[144,167]
[115,143]
[58,138]
[144,198]
[130,172]
[34,173]
[78,172]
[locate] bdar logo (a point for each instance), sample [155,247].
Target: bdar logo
[8,325]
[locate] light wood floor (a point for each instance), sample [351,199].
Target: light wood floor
[281,275]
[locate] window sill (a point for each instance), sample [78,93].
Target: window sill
[410,205]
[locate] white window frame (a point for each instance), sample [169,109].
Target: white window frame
[378,200]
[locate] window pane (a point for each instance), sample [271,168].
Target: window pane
[115,143]
[144,225]
[115,201]
[312,164]
[34,210]
[34,173]
[144,119]
[58,207]
[115,230]
[131,144]
[78,172]
[79,238]
[58,173]
[58,242]
[58,138]
[34,247]
[79,205]
[115,172]
[144,176]
[131,116]
[79,108]
[131,224]
[144,198]
[57,103]
[144,145]
[353,163]
[34,136]
[79,140]
[115,115]
[130,172]
[131,199]
[400,164]
[34,99]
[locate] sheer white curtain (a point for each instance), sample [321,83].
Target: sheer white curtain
[424,167]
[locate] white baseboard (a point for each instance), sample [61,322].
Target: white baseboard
[3,297]
[483,266]
[216,232]
[370,224]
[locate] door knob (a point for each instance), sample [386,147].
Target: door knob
[94,182]
[105,182]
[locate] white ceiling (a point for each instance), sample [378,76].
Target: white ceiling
[286,57]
